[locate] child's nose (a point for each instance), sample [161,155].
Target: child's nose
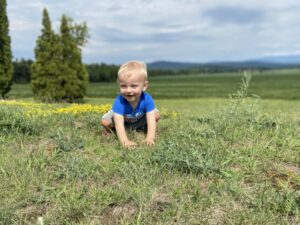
[128,89]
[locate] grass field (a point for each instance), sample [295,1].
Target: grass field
[277,84]
[219,161]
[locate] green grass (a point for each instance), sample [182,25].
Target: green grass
[233,161]
[220,162]
[277,84]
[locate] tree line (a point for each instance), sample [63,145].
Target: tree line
[96,72]
[108,72]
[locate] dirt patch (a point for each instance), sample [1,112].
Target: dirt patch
[216,215]
[204,185]
[160,201]
[291,169]
[236,167]
[49,146]
[31,213]
[78,124]
[114,213]
[286,177]
[293,220]
[34,147]
[116,180]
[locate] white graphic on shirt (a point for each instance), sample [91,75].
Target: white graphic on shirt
[132,118]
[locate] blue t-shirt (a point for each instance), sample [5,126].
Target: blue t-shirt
[121,106]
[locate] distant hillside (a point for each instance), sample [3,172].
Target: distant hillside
[172,65]
[263,63]
[284,59]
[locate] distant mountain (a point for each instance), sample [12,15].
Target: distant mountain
[225,65]
[271,62]
[283,59]
[172,65]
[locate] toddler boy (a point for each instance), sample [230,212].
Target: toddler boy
[133,108]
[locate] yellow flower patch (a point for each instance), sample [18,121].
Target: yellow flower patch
[32,109]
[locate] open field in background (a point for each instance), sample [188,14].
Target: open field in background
[219,161]
[195,107]
[277,84]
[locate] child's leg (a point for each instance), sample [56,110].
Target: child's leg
[157,115]
[107,123]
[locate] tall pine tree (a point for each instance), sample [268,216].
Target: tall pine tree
[47,66]
[6,66]
[75,76]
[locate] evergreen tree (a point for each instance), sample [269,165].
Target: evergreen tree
[74,79]
[6,66]
[58,73]
[47,66]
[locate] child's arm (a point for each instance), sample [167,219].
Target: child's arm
[151,127]
[119,125]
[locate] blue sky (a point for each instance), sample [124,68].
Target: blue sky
[174,30]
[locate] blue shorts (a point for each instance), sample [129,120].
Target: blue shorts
[141,124]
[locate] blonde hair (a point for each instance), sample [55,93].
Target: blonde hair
[133,67]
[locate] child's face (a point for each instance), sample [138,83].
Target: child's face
[132,87]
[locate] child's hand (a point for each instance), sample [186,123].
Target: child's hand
[149,141]
[129,144]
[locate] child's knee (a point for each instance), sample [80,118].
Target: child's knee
[157,116]
[106,123]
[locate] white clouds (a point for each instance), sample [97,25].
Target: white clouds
[182,30]
[21,25]
[235,15]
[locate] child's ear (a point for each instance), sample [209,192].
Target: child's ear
[145,85]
